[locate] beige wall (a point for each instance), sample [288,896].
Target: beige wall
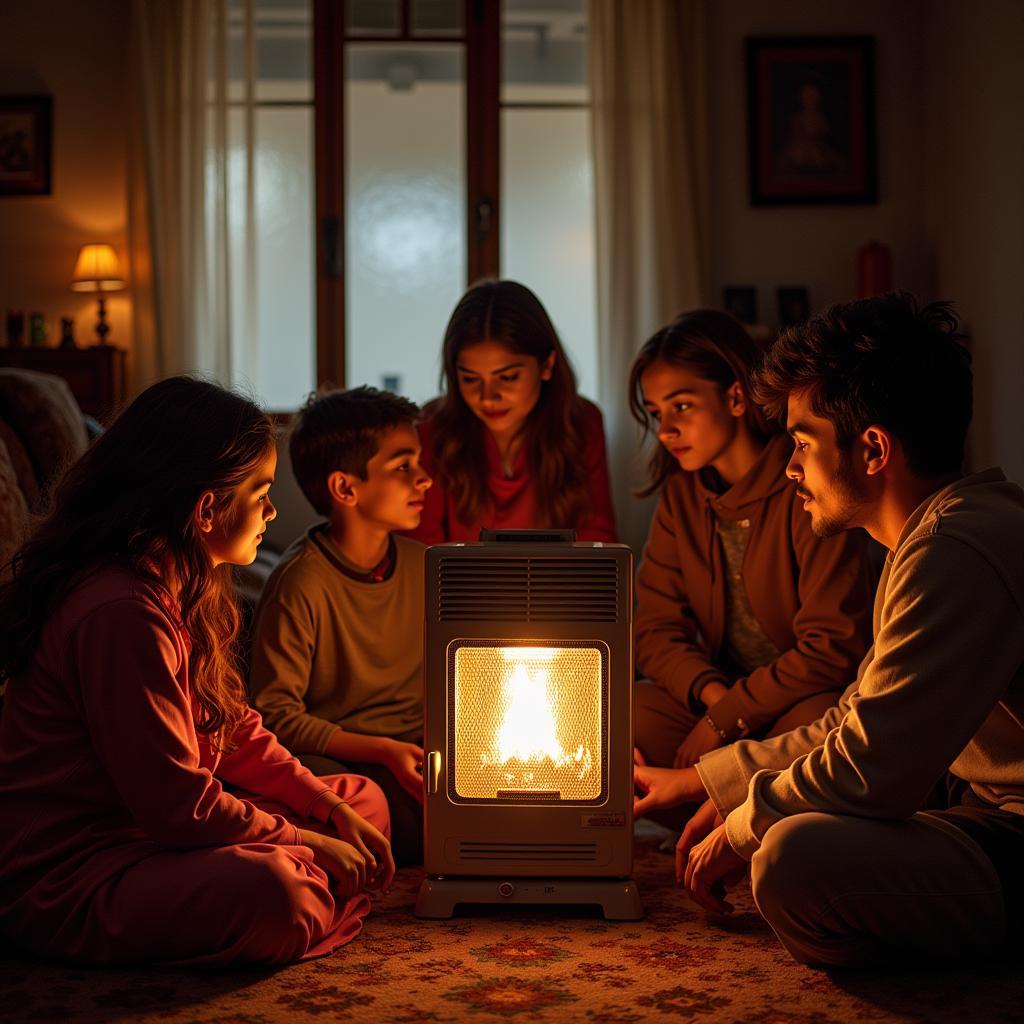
[975,205]
[773,246]
[950,88]
[951,171]
[77,52]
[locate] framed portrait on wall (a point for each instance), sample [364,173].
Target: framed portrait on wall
[25,145]
[811,119]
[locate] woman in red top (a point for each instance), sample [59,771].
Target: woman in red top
[511,444]
[125,713]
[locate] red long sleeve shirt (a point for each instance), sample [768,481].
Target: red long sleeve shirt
[99,755]
[514,499]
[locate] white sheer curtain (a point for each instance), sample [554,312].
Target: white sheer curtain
[647,77]
[191,171]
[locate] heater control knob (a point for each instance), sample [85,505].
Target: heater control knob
[506,889]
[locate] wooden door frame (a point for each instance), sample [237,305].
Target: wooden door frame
[482,51]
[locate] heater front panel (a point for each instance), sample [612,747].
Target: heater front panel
[528,721]
[507,738]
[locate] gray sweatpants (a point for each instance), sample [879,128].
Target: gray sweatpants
[848,891]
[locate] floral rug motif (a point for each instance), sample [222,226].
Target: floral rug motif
[529,966]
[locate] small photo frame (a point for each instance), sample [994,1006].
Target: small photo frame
[811,119]
[794,306]
[26,131]
[741,302]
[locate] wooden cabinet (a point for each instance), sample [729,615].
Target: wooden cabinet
[96,375]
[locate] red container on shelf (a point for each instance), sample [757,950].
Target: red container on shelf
[874,269]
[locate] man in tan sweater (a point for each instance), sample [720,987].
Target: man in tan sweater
[853,860]
[337,660]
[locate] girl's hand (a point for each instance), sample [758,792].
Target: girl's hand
[405,762]
[370,843]
[341,860]
[704,821]
[702,740]
[665,787]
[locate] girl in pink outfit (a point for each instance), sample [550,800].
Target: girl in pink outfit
[125,714]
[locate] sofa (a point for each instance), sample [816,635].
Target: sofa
[41,430]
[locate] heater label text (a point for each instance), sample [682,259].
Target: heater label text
[603,820]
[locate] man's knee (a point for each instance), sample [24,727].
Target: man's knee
[803,863]
[794,862]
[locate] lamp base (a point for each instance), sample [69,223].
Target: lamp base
[102,327]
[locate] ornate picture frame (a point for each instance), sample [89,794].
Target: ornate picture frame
[811,120]
[26,140]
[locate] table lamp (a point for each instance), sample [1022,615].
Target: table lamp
[99,271]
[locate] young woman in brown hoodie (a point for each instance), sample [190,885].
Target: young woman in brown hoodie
[746,622]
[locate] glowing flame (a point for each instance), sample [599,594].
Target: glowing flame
[528,733]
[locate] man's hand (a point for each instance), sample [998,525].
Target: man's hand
[701,740]
[665,787]
[370,843]
[712,865]
[341,860]
[704,821]
[405,762]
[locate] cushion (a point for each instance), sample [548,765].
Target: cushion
[22,465]
[46,418]
[13,509]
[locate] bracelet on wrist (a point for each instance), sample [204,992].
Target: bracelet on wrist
[714,725]
[728,735]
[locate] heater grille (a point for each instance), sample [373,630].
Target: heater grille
[528,590]
[528,722]
[562,853]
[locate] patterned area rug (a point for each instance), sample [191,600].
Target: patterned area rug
[533,966]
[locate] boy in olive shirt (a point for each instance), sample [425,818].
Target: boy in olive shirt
[337,662]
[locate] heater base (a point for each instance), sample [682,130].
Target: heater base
[618,898]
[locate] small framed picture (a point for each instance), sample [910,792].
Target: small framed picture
[811,119]
[26,126]
[741,301]
[794,306]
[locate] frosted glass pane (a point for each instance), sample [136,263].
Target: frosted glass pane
[372,17]
[544,51]
[280,368]
[405,259]
[547,224]
[437,17]
[283,49]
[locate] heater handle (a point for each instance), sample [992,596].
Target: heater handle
[527,536]
[433,773]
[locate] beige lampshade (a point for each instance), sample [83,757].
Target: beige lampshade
[97,270]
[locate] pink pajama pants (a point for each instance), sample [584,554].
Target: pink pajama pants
[250,903]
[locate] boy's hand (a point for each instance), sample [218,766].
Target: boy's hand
[368,841]
[341,860]
[405,762]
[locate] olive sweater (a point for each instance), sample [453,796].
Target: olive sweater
[811,596]
[331,651]
[942,687]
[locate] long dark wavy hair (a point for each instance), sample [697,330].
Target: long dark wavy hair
[553,435]
[716,347]
[129,500]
